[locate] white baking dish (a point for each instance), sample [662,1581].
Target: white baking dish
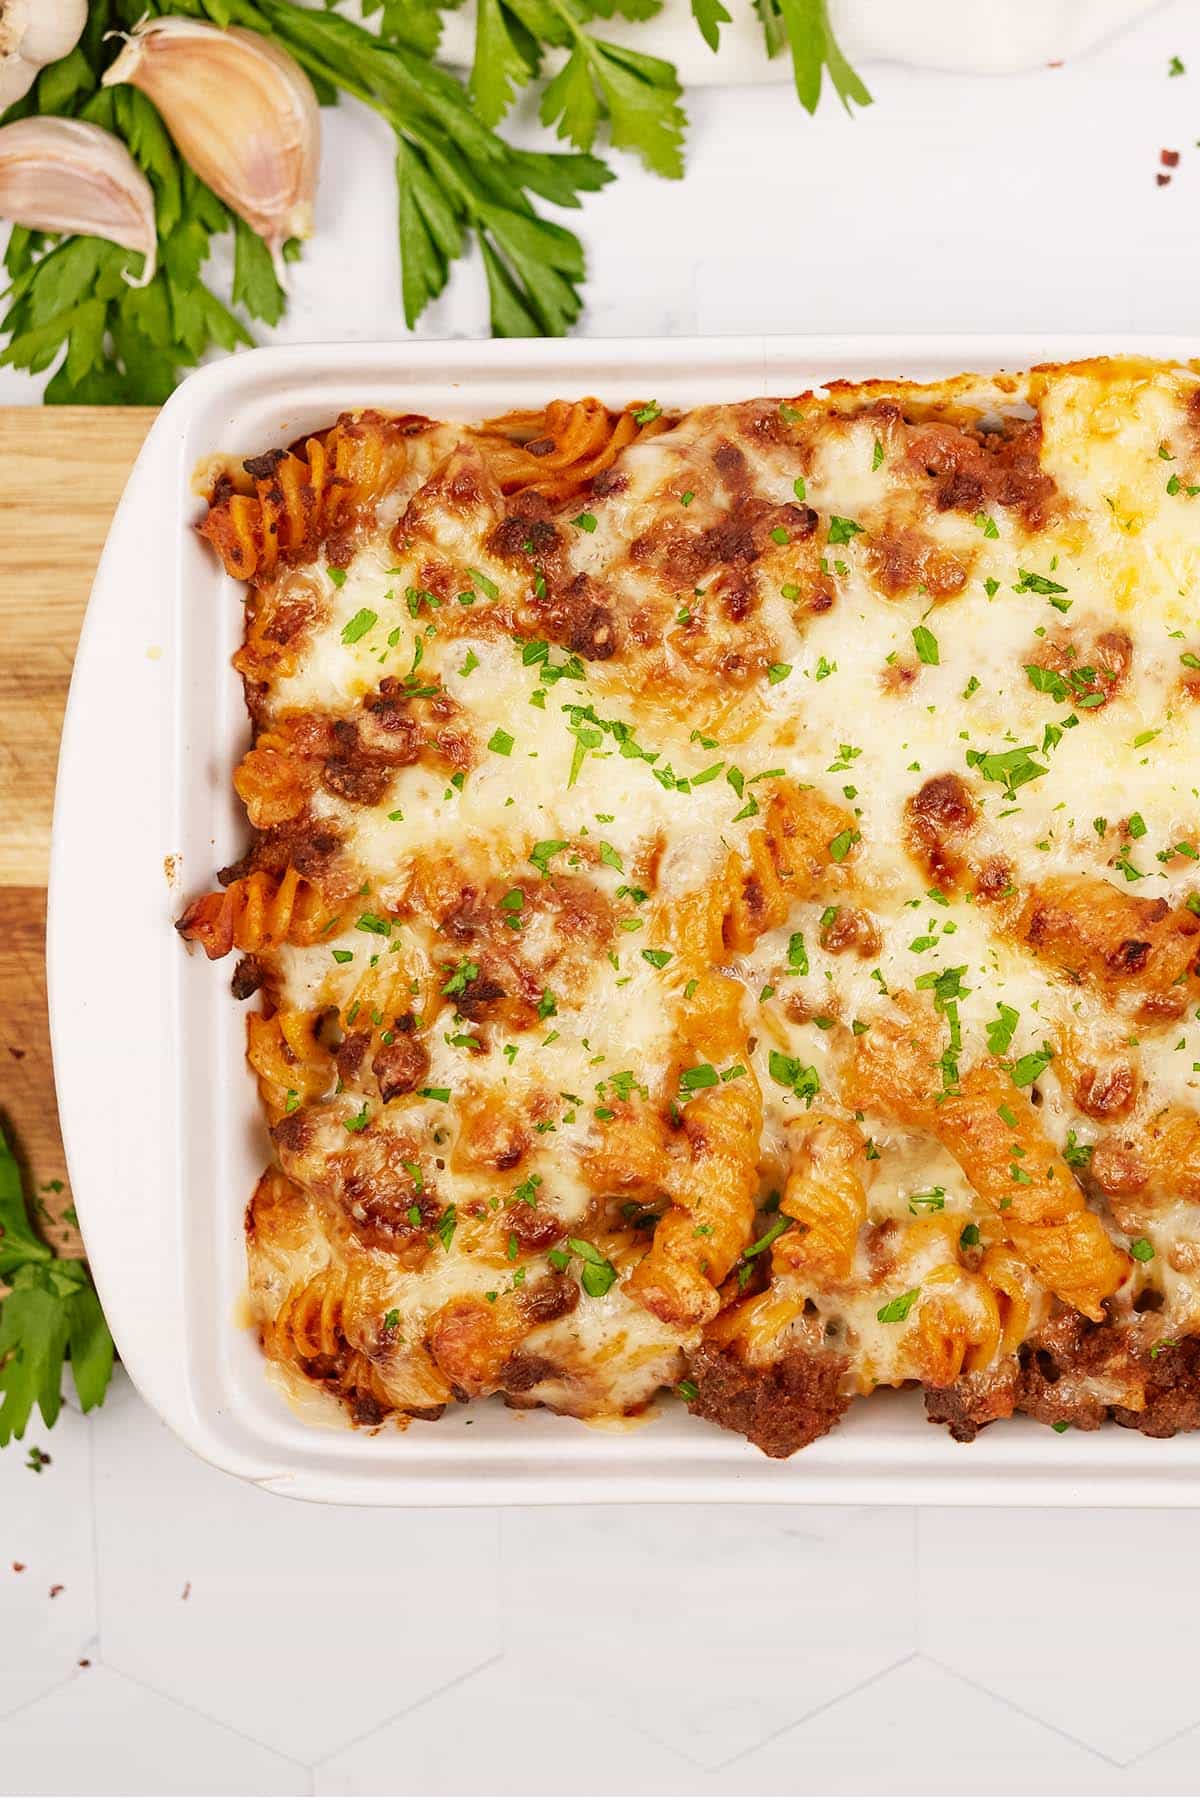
[159,1115]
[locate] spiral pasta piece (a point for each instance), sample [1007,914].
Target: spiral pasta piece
[1115,942]
[825,1194]
[710,1176]
[292,1066]
[557,450]
[991,1129]
[257,912]
[274,782]
[285,505]
[803,836]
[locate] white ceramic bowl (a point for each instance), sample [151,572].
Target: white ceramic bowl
[995,37]
[159,1113]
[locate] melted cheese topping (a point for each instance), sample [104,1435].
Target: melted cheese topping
[888,629]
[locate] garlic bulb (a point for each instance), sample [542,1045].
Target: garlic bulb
[32,34]
[241,112]
[65,175]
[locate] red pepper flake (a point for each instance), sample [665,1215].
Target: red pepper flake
[1169,158]
[56,1590]
[187,1590]
[85,1662]
[1162,180]
[18,1568]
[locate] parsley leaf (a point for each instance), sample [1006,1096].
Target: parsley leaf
[710,15]
[50,1312]
[803,25]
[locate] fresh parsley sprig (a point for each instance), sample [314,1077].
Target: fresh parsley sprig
[804,29]
[49,1312]
[637,94]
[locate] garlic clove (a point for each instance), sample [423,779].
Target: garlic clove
[32,34]
[64,175]
[242,112]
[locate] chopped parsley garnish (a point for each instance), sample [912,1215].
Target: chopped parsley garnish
[842,531]
[647,413]
[372,922]
[484,583]
[877,456]
[1026,1069]
[1141,1250]
[658,959]
[501,742]
[802,1079]
[342,956]
[465,973]
[898,1309]
[359,1121]
[968,1237]
[585,521]
[359,625]
[598,1274]
[687,1390]
[930,1200]
[541,853]
[1075,1154]
[337,576]
[1041,584]
[1000,1029]
[778,672]
[926,644]
[1013,768]
[987,525]
[797,954]
[776,1229]
[841,846]
[701,1075]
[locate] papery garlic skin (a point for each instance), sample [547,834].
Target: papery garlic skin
[32,34]
[64,175]
[242,112]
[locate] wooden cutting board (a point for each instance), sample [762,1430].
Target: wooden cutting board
[62,470]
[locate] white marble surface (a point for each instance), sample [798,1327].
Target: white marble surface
[209,1638]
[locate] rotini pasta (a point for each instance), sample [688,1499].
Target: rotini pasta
[257,912]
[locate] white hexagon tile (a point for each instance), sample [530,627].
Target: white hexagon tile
[919,1730]
[1026,1603]
[47,1590]
[300,1625]
[495,1733]
[710,1627]
[102,1734]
